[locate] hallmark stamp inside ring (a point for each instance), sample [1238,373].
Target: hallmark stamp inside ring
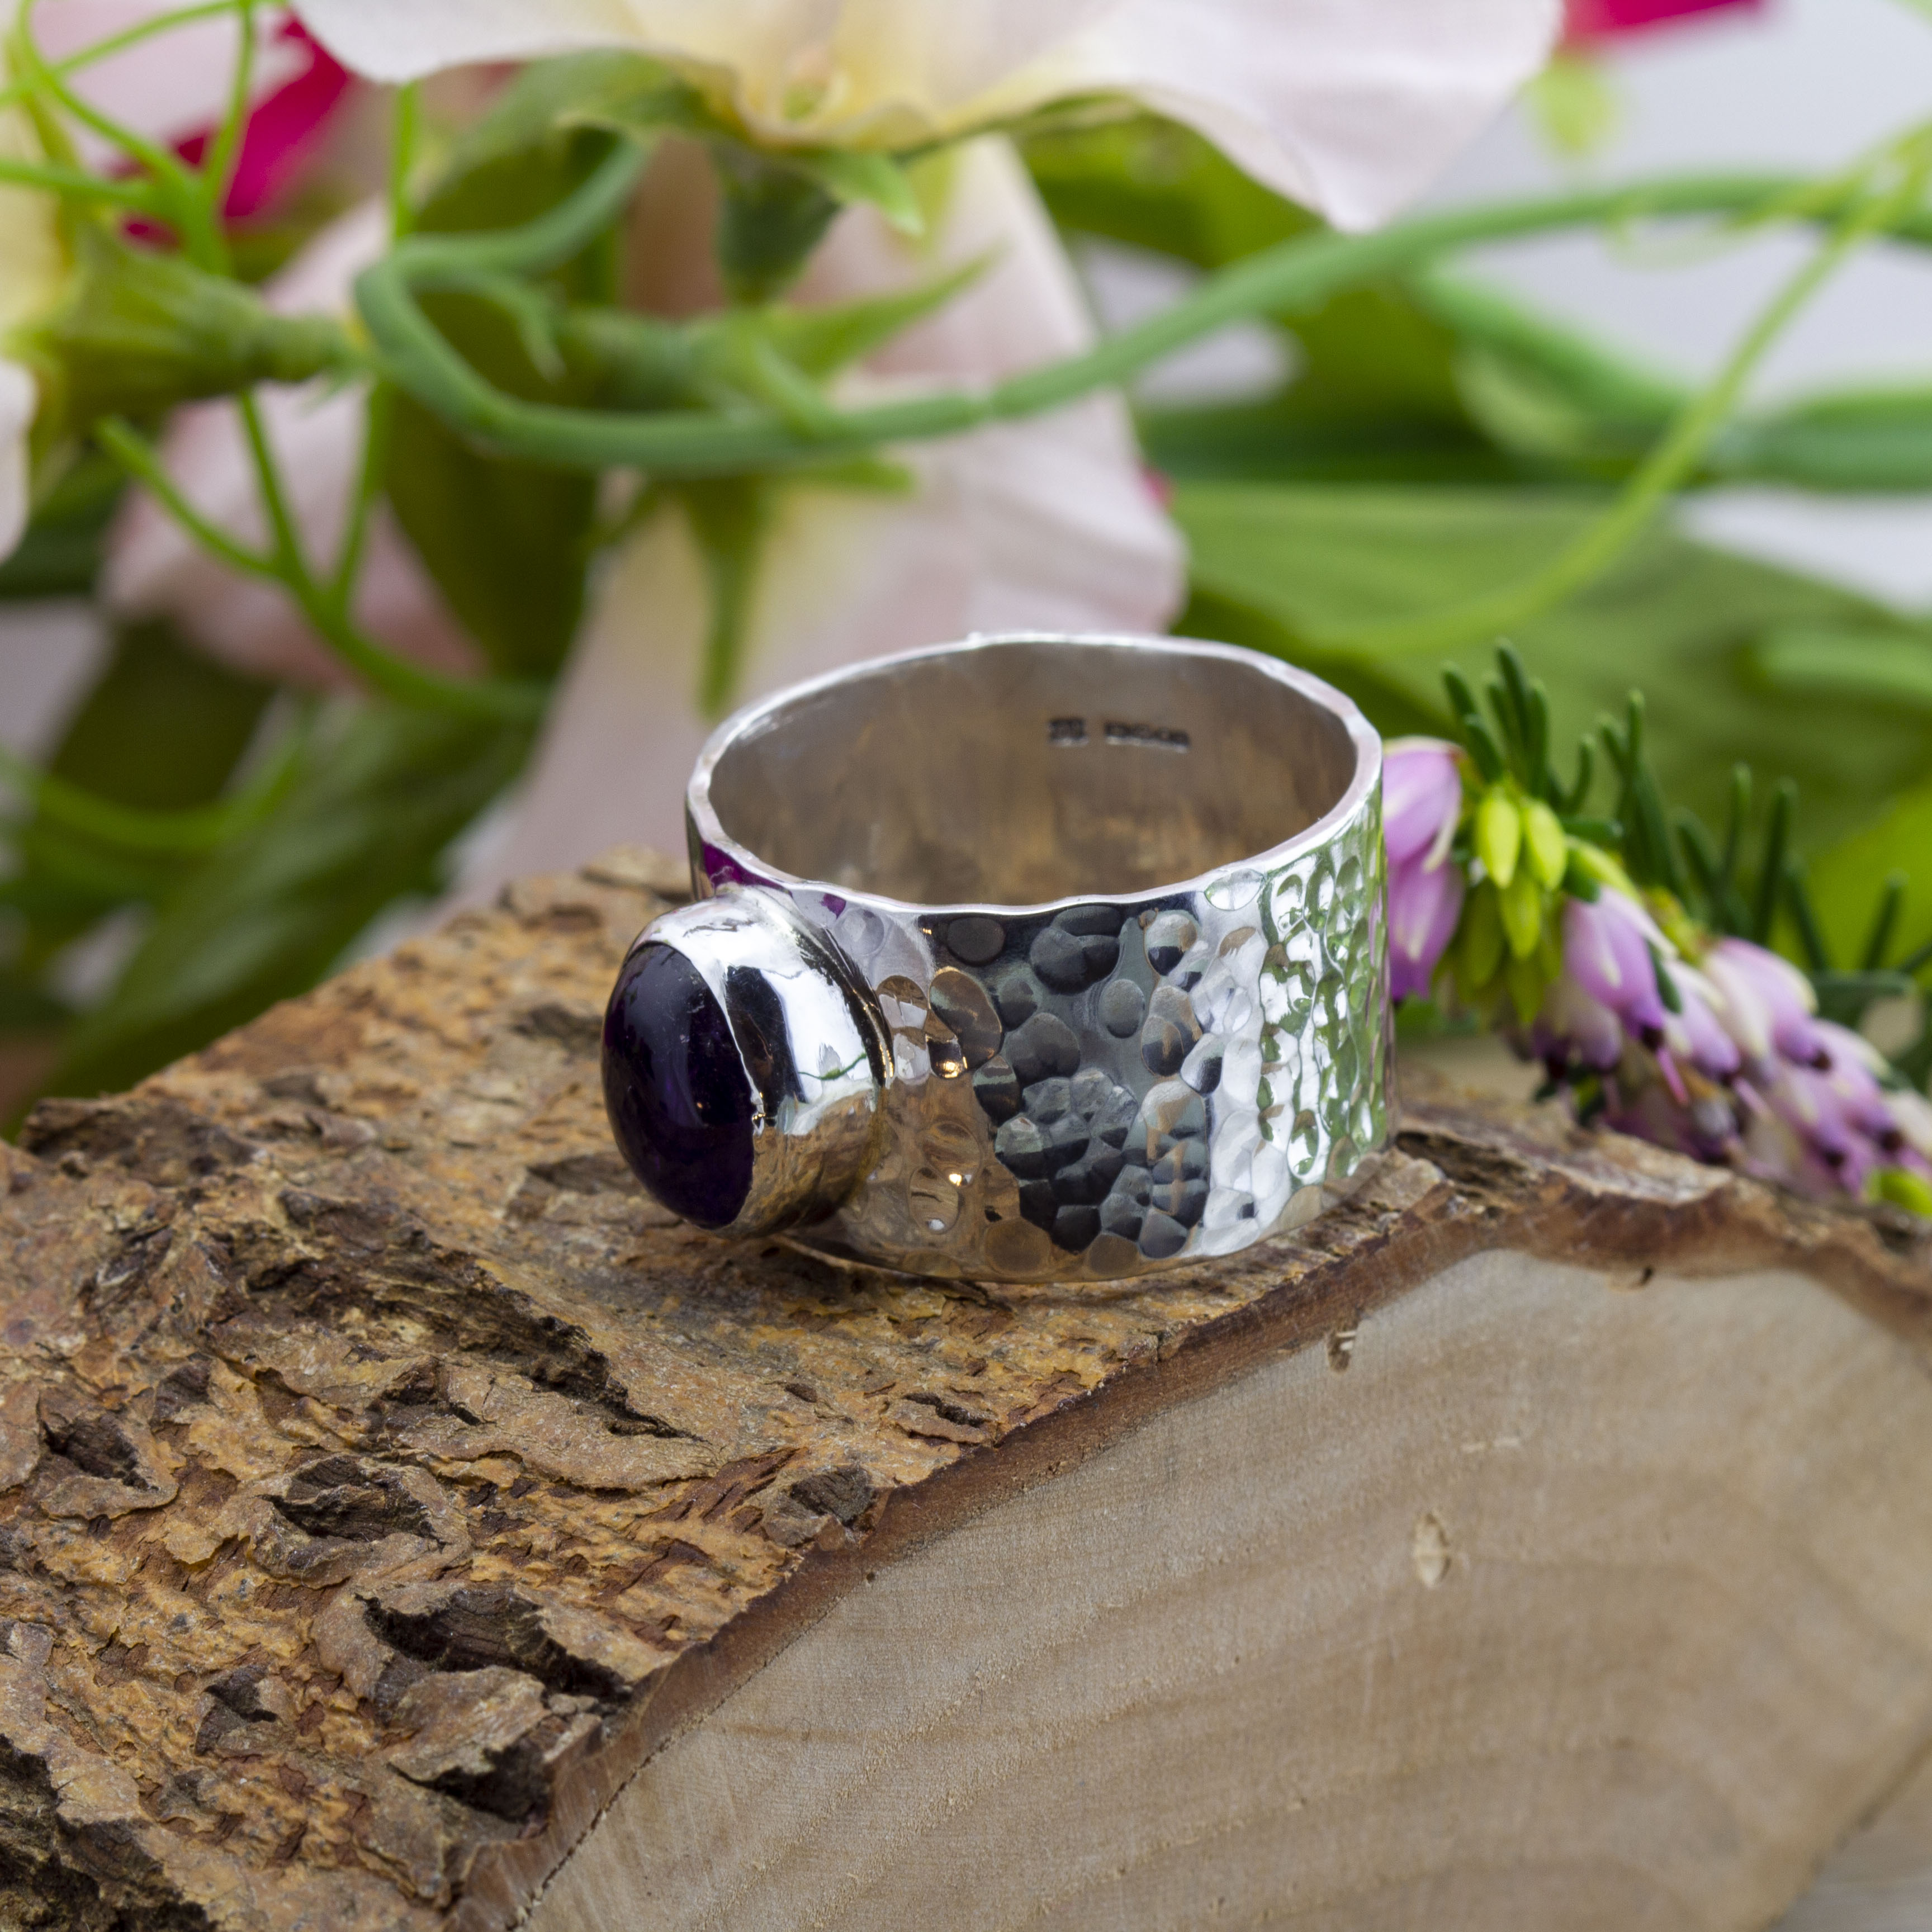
[952,1003]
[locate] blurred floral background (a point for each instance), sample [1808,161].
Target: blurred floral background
[420,423]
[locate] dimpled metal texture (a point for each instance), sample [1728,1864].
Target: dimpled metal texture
[1093,1090]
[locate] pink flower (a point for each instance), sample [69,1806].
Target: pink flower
[284,129]
[1422,798]
[1573,1027]
[1695,1034]
[1424,904]
[1743,1072]
[1605,19]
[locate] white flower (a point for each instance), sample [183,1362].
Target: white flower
[154,569]
[1347,106]
[1048,524]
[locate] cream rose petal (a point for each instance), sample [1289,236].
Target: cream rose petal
[1351,106]
[18,395]
[32,262]
[1348,105]
[1048,524]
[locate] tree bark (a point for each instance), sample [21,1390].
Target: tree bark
[404,1523]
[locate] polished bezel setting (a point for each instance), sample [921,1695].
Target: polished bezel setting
[805,1044]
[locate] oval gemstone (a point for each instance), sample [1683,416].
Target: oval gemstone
[679,1098]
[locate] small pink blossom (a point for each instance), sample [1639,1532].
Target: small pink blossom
[1770,1003]
[1422,798]
[1744,1072]
[1607,951]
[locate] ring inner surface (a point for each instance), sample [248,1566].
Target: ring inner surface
[1015,773]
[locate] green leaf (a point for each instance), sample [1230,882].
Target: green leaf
[379,797]
[508,543]
[1846,879]
[824,338]
[1279,567]
[876,180]
[60,554]
[1883,666]
[1155,185]
[1873,438]
[548,99]
[163,728]
[729,516]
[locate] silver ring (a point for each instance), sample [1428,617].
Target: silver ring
[1027,958]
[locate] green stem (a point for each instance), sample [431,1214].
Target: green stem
[115,43]
[1669,463]
[178,193]
[199,829]
[218,163]
[290,562]
[137,456]
[379,412]
[393,675]
[1294,274]
[325,609]
[50,175]
[405,130]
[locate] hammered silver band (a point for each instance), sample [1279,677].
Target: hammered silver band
[1045,957]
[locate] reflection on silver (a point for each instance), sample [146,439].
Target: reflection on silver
[1112,912]
[810,1043]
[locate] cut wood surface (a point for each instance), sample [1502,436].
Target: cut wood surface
[403,1524]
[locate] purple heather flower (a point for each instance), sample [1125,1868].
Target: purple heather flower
[1743,1072]
[1422,798]
[1769,1003]
[1574,1027]
[1423,907]
[1696,1035]
[1607,951]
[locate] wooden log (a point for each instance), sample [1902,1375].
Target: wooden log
[404,1525]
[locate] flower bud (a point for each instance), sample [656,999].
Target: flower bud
[1523,916]
[1498,836]
[133,332]
[1548,846]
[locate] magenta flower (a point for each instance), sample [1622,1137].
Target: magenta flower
[1606,19]
[1422,798]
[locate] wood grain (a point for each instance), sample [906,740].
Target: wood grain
[393,1503]
[1542,1614]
